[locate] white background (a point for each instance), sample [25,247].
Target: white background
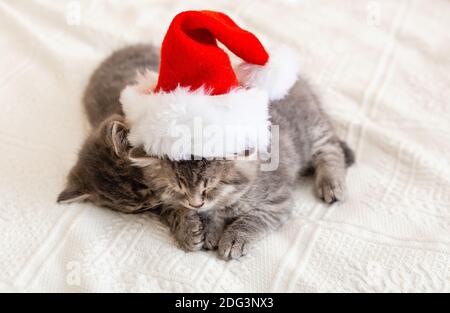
[382,69]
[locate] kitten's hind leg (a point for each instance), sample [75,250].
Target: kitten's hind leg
[330,160]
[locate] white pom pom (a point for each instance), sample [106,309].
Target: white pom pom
[276,77]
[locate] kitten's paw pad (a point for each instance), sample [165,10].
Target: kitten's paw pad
[232,246]
[330,189]
[190,233]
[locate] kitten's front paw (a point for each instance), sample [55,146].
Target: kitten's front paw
[190,233]
[233,245]
[330,188]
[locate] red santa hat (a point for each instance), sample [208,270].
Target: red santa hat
[198,104]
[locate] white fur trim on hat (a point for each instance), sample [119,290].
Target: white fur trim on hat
[277,76]
[182,123]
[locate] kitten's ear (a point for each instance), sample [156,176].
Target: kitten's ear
[119,133]
[72,194]
[74,191]
[139,158]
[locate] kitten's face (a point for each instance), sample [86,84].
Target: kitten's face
[197,184]
[202,184]
[104,175]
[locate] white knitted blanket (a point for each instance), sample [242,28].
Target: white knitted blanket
[383,70]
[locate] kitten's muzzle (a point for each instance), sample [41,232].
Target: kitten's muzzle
[196,205]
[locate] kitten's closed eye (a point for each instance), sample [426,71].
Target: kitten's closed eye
[240,180]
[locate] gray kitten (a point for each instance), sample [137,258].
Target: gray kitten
[103,173]
[237,203]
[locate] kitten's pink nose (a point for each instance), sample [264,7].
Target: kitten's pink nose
[196,205]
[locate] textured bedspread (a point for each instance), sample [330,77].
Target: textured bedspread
[382,69]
